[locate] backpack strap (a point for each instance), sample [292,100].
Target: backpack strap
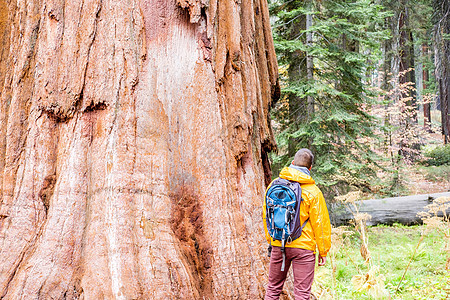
[283,251]
[304,223]
[303,226]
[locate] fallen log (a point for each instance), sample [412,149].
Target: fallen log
[386,211]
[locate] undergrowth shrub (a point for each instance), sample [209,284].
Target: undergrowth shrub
[437,156]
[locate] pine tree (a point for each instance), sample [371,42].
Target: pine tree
[327,109]
[442,60]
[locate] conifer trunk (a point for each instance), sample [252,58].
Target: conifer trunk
[406,52]
[133,148]
[442,62]
[426,104]
[309,66]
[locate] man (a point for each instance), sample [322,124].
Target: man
[316,234]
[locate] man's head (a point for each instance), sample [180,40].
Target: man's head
[303,158]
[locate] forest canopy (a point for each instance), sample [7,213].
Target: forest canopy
[365,85]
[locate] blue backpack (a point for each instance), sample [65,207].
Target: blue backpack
[283,200]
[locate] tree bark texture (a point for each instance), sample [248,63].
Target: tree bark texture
[133,148]
[406,48]
[426,104]
[442,61]
[309,65]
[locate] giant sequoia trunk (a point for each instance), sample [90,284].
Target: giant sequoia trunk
[133,148]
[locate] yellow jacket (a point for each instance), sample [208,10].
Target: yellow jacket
[317,231]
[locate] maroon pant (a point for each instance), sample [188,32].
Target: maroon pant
[302,261]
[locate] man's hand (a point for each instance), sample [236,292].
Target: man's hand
[322,260]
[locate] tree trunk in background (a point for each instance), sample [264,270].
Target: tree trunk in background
[385,84]
[133,148]
[406,52]
[297,71]
[442,61]
[426,103]
[309,70]
[408,110]
[309,66]
[394,52]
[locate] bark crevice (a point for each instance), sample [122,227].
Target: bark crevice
[31,53]
[46,191]
[63,111]
[187,226]
[266,148]
[195,8]
[13,274]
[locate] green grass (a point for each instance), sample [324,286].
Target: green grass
[391,249]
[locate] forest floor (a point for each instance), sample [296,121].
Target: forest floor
[405,262]
[414,177]
[391,250]
[422,179]
[419,179]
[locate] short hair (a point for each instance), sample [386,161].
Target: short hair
[304,158]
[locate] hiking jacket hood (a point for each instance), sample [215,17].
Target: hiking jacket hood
[317,232]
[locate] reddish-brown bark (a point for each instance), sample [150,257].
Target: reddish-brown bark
[133,148]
